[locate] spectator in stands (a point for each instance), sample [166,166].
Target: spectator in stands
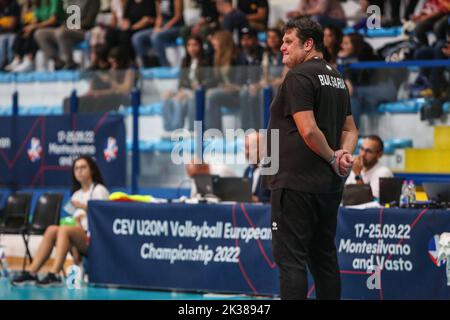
[107,33]
[168,25]
[58,43]
[227,76]
[272,62]
[256,12]
[195,73]
[253,154]
[367,168]
[361,16]
[394,19]
[325,12]
[231,19]
[139,16]
[99,58]
[47,14]
[109,89]
[367,87]
[271,75]
[87,185]
[433,17]
[208,22]
[410,9]
[250,58]
[332,40]
[9,25]
[434,78]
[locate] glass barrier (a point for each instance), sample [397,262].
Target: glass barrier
[233,98]
[383,98]
[402,105]
[38,92]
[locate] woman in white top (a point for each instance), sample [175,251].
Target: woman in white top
[87,185]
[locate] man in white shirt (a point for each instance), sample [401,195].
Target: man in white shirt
[366,168]
[253,171]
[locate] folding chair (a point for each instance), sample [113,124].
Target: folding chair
[47,212]
[16,213]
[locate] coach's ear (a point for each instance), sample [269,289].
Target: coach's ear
[309,45]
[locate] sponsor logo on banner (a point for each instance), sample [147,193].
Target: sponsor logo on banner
[439,251]
[111,150]
[34,150]
[433,248]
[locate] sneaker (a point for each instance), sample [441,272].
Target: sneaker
[23,279]
[26,66]
[14,64]
[50,280]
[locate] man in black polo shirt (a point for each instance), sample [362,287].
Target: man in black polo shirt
[317,137]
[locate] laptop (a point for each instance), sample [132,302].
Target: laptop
[355,194]
[438,192]
[390,190]
[232,189]
[204,184]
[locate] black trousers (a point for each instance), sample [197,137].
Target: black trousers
[303,235]
[25,45]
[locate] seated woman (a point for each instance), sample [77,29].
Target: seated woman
[109,89]
[194,74]
[332,40]
[367,88]
[87,185]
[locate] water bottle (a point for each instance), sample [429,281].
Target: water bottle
[404,199]
[4,269]
[412,192]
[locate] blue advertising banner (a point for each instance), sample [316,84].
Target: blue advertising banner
[38,151]
[400,246]
[213,248]
[227,248]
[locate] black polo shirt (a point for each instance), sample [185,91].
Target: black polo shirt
[313,85]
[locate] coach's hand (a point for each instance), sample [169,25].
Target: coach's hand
[342,164]
[346,164]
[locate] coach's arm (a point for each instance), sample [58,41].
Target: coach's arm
[316,141]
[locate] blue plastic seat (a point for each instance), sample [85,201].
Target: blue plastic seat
[160,73]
